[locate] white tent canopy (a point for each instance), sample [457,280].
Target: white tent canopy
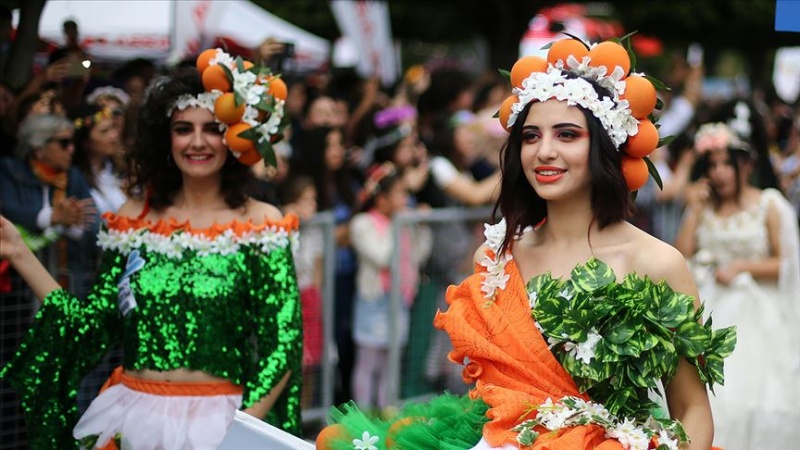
[171,29]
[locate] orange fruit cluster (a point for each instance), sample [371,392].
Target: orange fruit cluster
[639,93]
[214,77]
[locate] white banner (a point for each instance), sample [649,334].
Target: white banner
[786,74]
[366,24]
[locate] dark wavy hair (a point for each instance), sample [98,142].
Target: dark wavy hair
[521,206]
[309,159]
[153,173]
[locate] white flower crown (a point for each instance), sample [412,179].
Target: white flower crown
[614,113]
[202,100]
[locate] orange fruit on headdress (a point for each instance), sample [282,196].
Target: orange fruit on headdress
[226,110]
[214,78]
[204,58]
[634,170]
[641,96]
[561,50]
[249,158]
[236,142]
[610,54]
[277,88]
[330,434]
[505,110]
[643,142]
[524,67]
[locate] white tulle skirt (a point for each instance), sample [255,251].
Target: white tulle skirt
[758,407]
[158,420]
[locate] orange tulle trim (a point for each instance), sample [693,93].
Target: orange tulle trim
[171,388]
[289,222]
[509,361]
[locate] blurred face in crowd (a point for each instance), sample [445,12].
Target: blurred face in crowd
[394,200]
[322,112]
[103,138]
[722,173]
[116,108]
[197,146]
[334,150]
[57,151]
[405,155]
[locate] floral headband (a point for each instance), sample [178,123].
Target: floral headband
[108,91]
[90,121]
[247,100]
[712,136]
[372,184]
[625,114]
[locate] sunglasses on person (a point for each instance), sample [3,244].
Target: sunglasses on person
[64,142]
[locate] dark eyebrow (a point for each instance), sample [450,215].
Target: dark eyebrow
[557,126]
[186,122]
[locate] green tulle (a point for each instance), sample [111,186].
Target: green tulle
[446,422]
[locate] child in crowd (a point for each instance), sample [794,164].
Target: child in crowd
[384,195]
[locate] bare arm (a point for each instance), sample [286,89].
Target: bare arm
[24,261]
[474,193]
[262,407]
[686,394]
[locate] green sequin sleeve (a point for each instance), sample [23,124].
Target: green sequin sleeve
[68,338]
[276,321]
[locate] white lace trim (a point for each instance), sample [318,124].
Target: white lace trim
[614,113]
[495,276]
[174,244]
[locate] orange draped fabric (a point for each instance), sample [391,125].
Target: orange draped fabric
[509,361]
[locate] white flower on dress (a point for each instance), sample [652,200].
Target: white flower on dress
[584,351]
[367,442]
[495,276]
[629,435]
[532,297]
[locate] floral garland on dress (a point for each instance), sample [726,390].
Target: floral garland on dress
[615,340]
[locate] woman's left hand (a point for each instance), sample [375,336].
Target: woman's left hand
[725,274]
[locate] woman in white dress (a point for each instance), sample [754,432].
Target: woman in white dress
[98,155]
[743,245]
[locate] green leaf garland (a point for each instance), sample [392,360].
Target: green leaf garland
[644,328]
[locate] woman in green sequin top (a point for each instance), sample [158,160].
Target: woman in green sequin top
[198,284]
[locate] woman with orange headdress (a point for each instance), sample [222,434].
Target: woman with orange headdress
[196,281]
[573,318]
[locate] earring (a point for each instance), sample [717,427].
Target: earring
[170,162]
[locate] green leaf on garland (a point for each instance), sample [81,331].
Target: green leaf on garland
[592,276]
[505,74]
[228,73]
[691,338]
[267,152]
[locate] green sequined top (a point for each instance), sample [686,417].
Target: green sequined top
[223,300]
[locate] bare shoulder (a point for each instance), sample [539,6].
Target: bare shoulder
[659,261]
[131,208]
[258,212]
